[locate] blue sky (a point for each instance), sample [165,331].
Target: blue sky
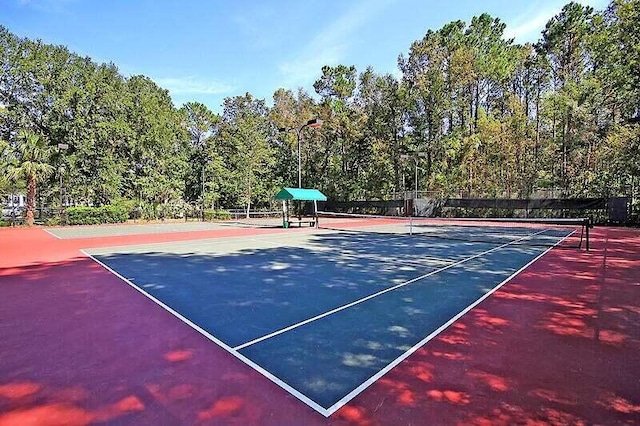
[207,50]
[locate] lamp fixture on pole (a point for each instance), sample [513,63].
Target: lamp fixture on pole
[313,123]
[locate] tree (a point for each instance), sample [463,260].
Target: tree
[92,120]
[491,117]
[290,111]
[202,127]
[340,166]
[565,43]
[246,144]
[381,99]
[32,156]
[425,78]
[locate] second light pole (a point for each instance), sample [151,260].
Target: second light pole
[415,157]
[314,123]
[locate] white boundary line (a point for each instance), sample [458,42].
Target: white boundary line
[371,296]
[209,240]
[51,233]
[218,342]
[348,397]
[344,400]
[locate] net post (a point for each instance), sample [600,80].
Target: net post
[410,225]
[588,225]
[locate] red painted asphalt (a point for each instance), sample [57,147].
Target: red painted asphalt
[559,344]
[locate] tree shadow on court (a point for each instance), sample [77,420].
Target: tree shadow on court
[248,293]
[555,345]
[80,347]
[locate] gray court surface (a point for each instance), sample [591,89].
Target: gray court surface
[216,246]
[114,230]
[91,231]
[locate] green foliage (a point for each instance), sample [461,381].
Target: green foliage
[128,206]
[244,141]
[338,82]
[486,116]
[217,215]
[289,112]
[53,221]
[30,166]
[5,161]
[97,215]
[202,127]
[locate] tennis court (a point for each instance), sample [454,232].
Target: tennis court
[361,321]
[324,314]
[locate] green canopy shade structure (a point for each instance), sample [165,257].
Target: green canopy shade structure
[299,194]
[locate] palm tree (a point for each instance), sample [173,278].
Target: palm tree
[32,155]
[4,164]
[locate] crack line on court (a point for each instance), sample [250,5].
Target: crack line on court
[371,296]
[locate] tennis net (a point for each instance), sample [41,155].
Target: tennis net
[259,219]
[566,233]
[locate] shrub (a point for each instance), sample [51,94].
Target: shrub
[115,214]
[217,215]
[130,206]
[81,216]
[52,221]
[97,215]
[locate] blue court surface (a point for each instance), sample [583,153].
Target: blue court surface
[321,313]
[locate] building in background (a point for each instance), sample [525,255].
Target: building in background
[13,204]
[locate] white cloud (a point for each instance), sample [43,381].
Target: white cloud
[528,26]
[307,67]
[330,46]
[193,86]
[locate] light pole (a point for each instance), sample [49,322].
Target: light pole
[415,157]
[62,147]
[205,161]
[313,123]
[203,201]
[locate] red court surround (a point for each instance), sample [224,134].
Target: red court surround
[559,344]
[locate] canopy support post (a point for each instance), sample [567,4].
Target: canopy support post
[315,211]
[285,214]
